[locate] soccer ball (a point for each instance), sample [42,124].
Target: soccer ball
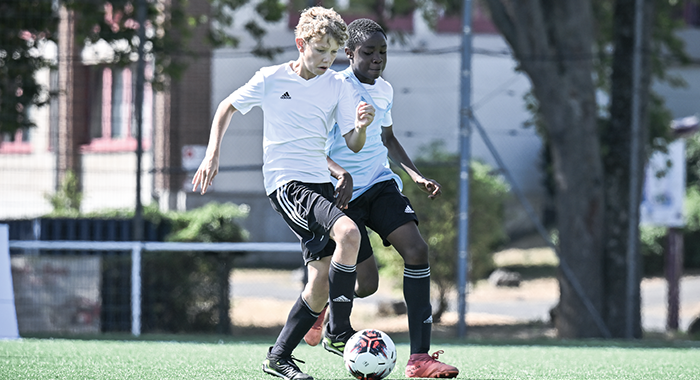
[370,355]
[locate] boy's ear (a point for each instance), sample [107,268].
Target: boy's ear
[300,44]
[349,53]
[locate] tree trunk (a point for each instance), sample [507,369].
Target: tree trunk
[71,85]
[552,40]
[617,140]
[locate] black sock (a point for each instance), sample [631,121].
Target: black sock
[299,321]
[416,292]
[341,280]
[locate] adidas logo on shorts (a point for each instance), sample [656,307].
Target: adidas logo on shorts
[285,96]
[409,210]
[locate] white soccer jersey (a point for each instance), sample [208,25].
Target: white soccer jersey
[370,165]
[298,115]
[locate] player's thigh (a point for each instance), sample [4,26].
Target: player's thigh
[358,211]
[308,211]
[391,213]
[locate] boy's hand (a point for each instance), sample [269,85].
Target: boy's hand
[365,114]
[343,191]
[430,186]
[204,176]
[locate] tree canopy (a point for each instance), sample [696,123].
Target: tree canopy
[26,26]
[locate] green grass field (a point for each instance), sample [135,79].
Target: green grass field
[234,360]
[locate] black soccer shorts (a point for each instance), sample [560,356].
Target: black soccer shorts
[308,210]
[383,209]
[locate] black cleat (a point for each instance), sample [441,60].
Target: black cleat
[284,367]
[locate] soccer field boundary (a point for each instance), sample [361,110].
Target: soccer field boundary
[399,339]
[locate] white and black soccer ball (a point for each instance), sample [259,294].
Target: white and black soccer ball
[370,355]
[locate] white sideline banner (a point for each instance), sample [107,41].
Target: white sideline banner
[8,314]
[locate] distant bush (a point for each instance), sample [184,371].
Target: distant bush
[67,199]
[181,291]
[438,222]
[189,291]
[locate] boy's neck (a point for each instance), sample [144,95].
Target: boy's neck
[364,79]
[298,68]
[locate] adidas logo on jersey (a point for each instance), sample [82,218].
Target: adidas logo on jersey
[341,298]
[285,96]
[409,210]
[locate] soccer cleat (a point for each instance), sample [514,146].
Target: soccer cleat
[284,367]
[424,365]
[314,335]
[336,343]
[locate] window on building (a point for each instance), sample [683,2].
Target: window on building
[111,118]
[16,143]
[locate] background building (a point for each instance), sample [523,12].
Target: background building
[89,127]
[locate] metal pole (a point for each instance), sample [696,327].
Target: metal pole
[674,270]
[633,223]
[138,105]
[136,290]
[465,156]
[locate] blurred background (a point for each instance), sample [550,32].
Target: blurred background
[75,166]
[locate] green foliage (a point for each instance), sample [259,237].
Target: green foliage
[214,222]
[691,232]
[24,27]
[652,244]
[182,291]
[438,220]
[189,291]
[185,291]
[66,201]
[667,48]
[692,155]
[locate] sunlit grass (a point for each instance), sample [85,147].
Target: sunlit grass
[109,359]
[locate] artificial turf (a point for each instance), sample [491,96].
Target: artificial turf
[234,360]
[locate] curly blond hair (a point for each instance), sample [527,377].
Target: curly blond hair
[317,22]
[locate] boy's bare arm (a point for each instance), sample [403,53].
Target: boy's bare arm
[209,167]
[364,116]
[400,157]
[343,189]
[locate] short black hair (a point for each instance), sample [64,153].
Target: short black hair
[360,29]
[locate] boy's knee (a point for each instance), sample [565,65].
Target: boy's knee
[347,233]
[416,254]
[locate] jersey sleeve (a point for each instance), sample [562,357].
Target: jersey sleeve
[250,94]
[387,121]
[348,100]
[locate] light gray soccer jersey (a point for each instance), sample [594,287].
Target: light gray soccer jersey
[371,164]
[298,115]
